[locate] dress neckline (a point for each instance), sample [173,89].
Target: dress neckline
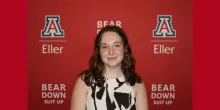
[122,76]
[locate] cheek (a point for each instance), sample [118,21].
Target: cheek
[120,51]
[103,53]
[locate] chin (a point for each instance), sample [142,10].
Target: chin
[112,65]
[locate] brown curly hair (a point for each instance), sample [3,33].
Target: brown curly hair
[94,74]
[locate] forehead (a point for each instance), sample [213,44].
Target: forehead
[110,37]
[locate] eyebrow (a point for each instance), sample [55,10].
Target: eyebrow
[113,43]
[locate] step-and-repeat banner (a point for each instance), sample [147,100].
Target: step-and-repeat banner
[61,35]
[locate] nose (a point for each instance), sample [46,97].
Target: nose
[111,51]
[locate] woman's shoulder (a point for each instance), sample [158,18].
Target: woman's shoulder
[138,86]
[86,76]
[80,85]
[81,81]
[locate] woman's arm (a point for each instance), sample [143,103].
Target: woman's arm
[78,100]
[141,97]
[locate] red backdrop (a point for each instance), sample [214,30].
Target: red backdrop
[79,20]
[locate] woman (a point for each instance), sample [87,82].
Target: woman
[111,82]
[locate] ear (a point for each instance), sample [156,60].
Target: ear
[126,48]
[97,50]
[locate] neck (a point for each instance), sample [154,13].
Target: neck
[113,72]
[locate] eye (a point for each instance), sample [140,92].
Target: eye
[117,45]
[104,46]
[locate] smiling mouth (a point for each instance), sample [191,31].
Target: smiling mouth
[112,58]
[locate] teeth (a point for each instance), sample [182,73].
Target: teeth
[111,58]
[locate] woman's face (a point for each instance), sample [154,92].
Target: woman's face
[111,49]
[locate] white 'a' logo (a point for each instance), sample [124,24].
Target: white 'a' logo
[164,27]
[52,28]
